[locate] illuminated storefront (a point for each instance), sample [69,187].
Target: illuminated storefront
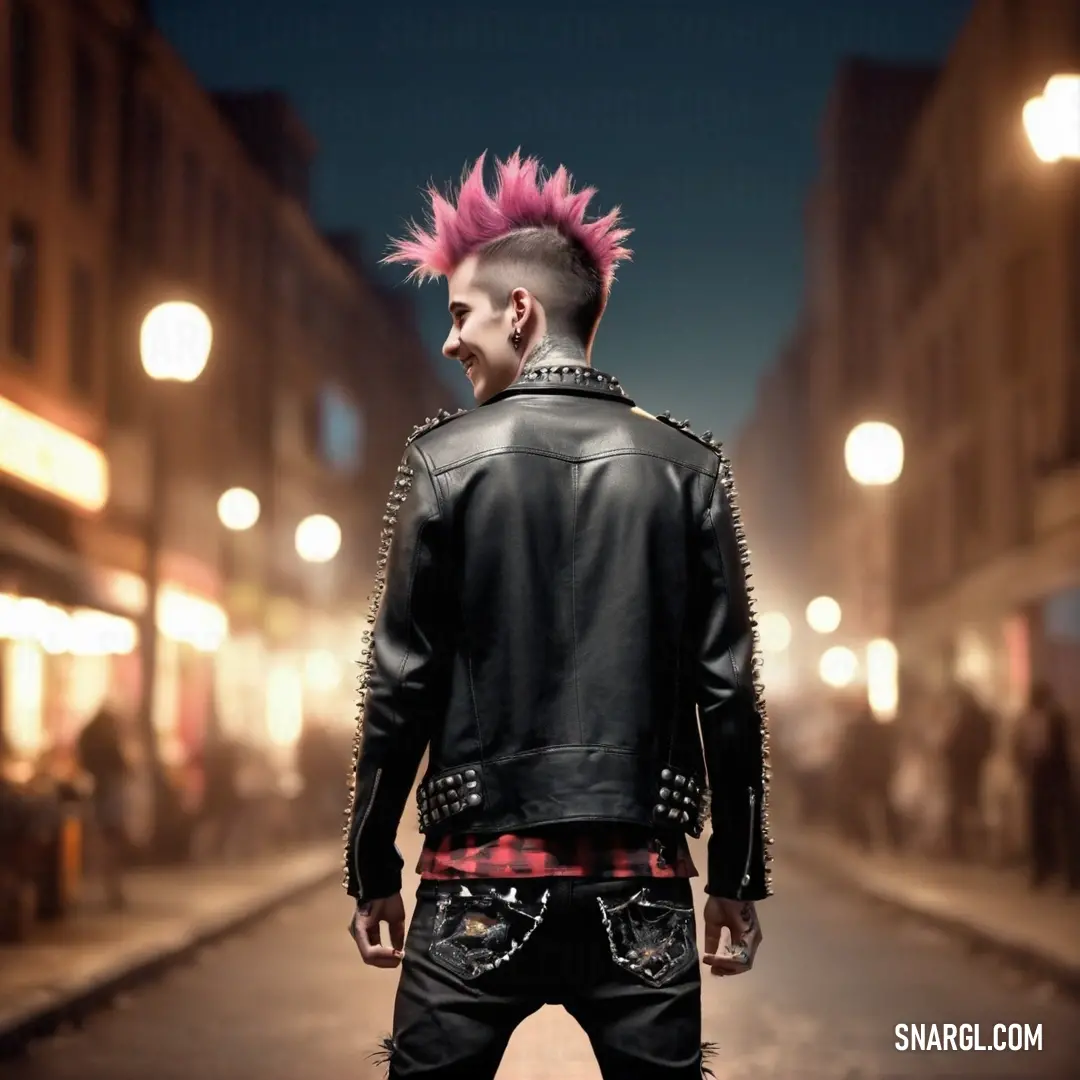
[69,641]
[296,669]
[58,666]
[70,617]
[48,457]
[57,651]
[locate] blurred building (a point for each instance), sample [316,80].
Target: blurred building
[867,121]
[59,144]
[943,267]
[978,330]
[124,184]
[771,467]
[810,526]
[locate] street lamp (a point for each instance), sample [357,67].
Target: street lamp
[1052,120]
[174,345]
[838,667]
[175,340]
[823,615]
[238,509]
[874,454]
[774,631]
[318,538]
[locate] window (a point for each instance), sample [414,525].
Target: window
[23,289]
[936,407]
[340,431]
[1016,481]
[961,387]
[265,267]
[219,213]
[153,170]
[969,504]
[1017,312]
[190,209]
[81,331]
[84,123]
[245,276]
[25,75]
[1018,33]
[916,531]
[1070,440]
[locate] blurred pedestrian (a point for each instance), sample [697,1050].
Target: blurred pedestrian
[222,807]
[563,597]
[967,748]
[318,761]
[865,774]
[1045,752]
[814,747]
[101,751]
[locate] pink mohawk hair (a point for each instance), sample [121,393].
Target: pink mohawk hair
[523,199]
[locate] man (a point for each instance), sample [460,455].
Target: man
[102,753]
[563,598]
[1045,755]
[967,750]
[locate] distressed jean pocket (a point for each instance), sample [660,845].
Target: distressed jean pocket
[652,939]
[479,927]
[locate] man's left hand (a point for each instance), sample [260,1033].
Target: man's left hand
[732,936]
[364,930]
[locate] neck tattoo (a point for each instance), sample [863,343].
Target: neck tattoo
[552,349]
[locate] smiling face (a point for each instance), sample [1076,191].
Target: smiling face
[481,331]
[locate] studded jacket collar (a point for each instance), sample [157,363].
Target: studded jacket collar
[561,596]
[575,377]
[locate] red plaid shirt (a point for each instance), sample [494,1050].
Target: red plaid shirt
[605,852]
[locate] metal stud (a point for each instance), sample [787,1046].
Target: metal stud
[728,481]
[399,491]
[443,796]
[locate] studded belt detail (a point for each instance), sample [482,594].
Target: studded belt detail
[680,802]
[447,795]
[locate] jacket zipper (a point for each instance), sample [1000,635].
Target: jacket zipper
[359,832]
[749,845]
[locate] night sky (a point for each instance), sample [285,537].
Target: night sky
[699,118]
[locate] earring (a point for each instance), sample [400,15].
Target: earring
[515,338]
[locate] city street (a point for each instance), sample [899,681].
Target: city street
[291,999]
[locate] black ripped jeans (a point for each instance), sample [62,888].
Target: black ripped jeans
[620,956]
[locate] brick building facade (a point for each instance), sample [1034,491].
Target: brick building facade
[123,184]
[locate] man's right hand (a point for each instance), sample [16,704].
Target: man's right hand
[731,953]
[364,930]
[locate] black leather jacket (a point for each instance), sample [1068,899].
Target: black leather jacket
[563,601]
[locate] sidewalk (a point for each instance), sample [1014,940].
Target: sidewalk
[990,908]
[73,966]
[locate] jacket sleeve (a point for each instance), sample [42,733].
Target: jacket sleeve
[403,683]
[731,707]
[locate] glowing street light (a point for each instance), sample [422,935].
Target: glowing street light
[322,672]
[774,632]
[882,683]
[1052,120]
[175,340]
[874,454]
[838,667]
[238,509]
[318,538]
[174,345]
[823,615]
